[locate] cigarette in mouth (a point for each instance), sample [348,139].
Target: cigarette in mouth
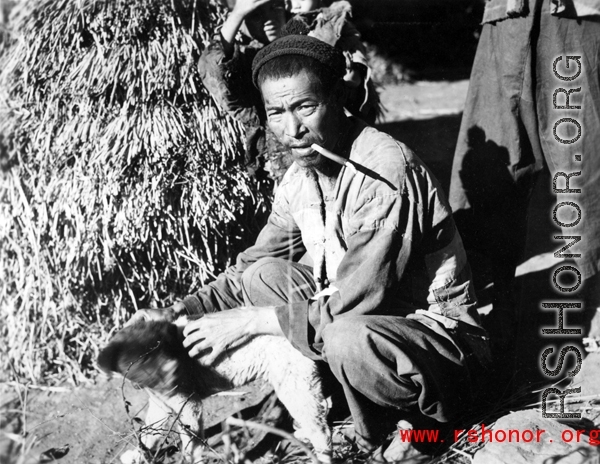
[333,157]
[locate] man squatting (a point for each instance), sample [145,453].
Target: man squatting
[386,298]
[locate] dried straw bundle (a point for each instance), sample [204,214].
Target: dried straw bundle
[121,180]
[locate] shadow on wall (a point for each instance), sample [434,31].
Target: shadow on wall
[486,179]
[488,188]
[433,140]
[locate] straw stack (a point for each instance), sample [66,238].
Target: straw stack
[121,182]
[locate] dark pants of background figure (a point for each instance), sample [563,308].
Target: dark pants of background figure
[506,138]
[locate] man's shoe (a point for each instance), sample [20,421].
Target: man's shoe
[397,450]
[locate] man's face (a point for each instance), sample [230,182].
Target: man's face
[299,115]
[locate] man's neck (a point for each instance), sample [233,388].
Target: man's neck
[328,172]
[327,182]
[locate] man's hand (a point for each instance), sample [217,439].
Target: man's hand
[227,330]
[234,21]
[243,8]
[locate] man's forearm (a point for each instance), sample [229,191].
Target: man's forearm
[228,31]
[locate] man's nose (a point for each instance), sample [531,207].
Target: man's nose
[293,126]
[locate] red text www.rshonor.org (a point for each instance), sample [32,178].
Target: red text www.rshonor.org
[486,435]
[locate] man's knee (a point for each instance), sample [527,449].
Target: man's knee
[345,339]
[276,281]
[263,275]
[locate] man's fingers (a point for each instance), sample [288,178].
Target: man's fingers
[206,324]
[192,338]
[198,346]
[247,7]
[194,326]
[208,357]
[188,329]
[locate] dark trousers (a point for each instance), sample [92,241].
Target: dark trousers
[390,368]
[507,136]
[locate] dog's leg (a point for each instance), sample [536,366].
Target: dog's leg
[156,421]
[153,431]
[188,412]
[297,385]
[294,378]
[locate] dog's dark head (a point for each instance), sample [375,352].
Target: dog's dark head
[149,353]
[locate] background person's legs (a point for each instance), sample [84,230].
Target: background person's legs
[507,132]
[498,155]
[563,37]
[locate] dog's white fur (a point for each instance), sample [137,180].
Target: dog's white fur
[293,376]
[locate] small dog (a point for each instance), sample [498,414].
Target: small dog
[151,354]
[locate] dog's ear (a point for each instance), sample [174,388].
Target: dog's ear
[108,359]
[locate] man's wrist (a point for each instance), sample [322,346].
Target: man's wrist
[236,17]
[178,309]
[191,305]
[232,25]
[265,322]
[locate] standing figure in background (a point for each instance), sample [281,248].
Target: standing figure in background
[225,69]
[508,133]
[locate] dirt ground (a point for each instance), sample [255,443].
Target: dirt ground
[92,423]
[89,424]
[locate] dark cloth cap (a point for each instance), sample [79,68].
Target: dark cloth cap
[300,45]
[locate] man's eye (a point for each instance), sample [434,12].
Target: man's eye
[306,109]
[273,116]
